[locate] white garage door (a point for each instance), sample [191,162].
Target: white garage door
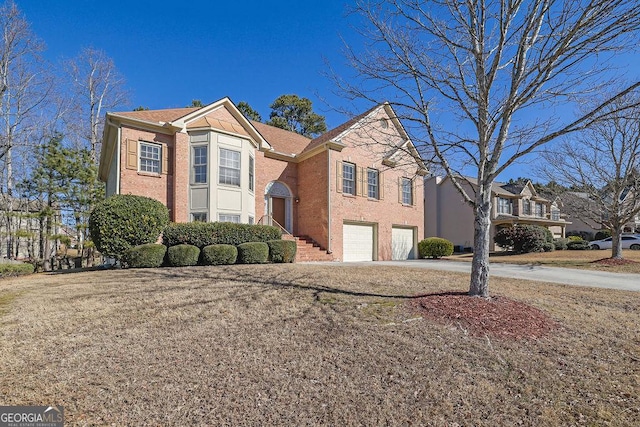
[357,242]
[402,243]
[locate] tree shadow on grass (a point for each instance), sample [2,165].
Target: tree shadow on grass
[299,282]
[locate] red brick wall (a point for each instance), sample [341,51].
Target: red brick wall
[159,187]
[313,207]
[366,150]
[180,206]
[267,170]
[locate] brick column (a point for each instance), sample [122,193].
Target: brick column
[181,178]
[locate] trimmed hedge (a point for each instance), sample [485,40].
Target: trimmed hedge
[218,255]
[183,255]
[124,220]
[282,250]
[577,245]
[253,253]
[435,247]
[16,269]
[203,234]
[150,255]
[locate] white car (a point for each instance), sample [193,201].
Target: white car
[629,241]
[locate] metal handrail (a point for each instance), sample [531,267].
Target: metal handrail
[273,222]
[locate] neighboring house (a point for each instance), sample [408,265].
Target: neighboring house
[21,228]
[355,191]
[448,216]
[582,211]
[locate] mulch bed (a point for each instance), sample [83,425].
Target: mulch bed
[496,317]
[614,261]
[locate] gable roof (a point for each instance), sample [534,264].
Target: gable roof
[282,140]
[157,116]
[180,119]
[333,133]
[501,188]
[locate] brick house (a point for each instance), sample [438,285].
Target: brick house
[448,216]
[354,192]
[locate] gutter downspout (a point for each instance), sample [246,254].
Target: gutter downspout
[329,250]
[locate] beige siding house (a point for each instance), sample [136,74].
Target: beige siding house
[448,216]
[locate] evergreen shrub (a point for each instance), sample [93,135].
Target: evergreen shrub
[182,255]
[522,238]
[577,245]
[219,255]
[150,255]
[124,220]
[282,250]
[253,253]
[434,247]
[203,234]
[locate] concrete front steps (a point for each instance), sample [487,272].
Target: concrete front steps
[308,249]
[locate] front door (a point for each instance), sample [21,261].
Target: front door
[278,210]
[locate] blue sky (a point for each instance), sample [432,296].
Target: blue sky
[173,52]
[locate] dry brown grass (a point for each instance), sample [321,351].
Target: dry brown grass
[309,345]
[570,259]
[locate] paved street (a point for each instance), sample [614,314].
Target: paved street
[567,276]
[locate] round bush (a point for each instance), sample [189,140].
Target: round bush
[522,238]
[602,234]
[218,255]
[123,221]
[150,255]
[561,244]
[183,255]
[435,247]
[282,250]
[253,253]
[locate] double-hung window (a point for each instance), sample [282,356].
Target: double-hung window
[555,214]
[526,207]
[150,155]
[504,205]
[539,210]
[200,164]
[373,184]
[349,178]
[229,173]
[407,191]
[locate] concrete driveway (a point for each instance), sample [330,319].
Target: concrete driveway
[566,276]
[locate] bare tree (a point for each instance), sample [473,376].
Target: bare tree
[478,82]
[24,88]
[97,87]
[603,164]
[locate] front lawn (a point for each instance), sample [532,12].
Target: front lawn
[590,260]
[310,345]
